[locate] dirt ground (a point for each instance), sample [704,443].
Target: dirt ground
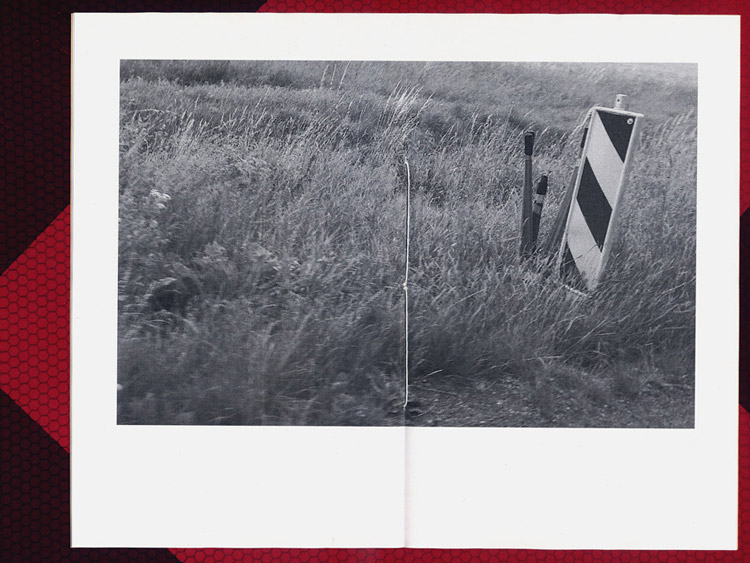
[455,402]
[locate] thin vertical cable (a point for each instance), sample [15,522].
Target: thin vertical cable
[406,284]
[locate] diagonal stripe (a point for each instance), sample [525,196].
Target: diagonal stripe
[604,160]
[618,129]
[594,205]
[583,247]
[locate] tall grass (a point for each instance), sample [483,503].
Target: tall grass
[271,198]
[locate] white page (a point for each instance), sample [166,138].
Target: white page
[367,487]
[191,486]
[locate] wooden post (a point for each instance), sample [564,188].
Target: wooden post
[536,212]
[526,197]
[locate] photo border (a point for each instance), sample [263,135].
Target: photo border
[366,475]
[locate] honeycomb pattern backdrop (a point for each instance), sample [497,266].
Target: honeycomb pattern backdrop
[35,284]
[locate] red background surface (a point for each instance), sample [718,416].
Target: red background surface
[35,285]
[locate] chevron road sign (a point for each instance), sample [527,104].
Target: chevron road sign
[597,193]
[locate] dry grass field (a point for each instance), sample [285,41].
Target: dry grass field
[261,247]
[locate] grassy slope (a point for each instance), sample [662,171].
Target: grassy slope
[277,191]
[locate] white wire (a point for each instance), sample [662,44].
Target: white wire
[406,284]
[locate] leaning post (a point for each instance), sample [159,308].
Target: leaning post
[558,227]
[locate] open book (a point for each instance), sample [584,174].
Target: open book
[336,323]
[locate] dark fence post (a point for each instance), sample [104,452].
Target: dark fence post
[526,198]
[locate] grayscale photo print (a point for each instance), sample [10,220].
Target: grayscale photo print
[450,244]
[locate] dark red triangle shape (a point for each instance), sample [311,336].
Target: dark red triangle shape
[35,113]
[35,492]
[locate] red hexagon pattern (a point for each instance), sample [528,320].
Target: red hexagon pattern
[505,6]
[34,331]
[34,292]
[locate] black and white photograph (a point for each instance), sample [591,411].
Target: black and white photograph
[424,281]
[374,243]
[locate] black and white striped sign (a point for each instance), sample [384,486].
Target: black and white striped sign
[598,191]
